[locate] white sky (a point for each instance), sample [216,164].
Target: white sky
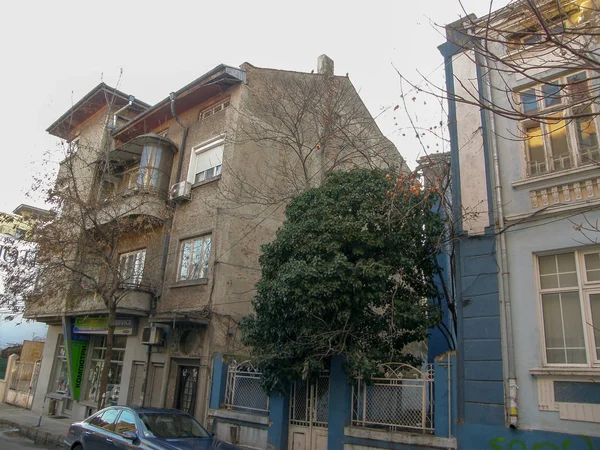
[53,53]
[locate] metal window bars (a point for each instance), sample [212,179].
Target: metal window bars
[400,399]
[243,391]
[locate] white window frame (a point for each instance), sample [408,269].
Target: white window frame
[188,266]
[211,171]
[584,288]
[134,278]
[558,110]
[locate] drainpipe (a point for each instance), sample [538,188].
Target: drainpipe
[510,391]
[183,138]
[131,100]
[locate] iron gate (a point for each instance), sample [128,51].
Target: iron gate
[309,412]
[22,384]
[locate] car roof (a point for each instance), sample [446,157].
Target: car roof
[158,411]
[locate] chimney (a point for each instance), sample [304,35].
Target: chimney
[325,65]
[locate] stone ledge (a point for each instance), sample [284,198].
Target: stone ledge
[423,440]
[238,415]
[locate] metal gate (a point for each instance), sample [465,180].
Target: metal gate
[22,383]
[309,412]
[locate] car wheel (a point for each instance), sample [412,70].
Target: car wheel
[78,447]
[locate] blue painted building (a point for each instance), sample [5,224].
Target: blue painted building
[523,121]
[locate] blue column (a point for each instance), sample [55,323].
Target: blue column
[219,382]
[340,404]
[279,406]
[445,401]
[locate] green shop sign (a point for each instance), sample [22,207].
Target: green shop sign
[99,325]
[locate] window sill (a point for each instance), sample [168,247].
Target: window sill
[210,180]
[186,283]
[566,371]
[553,176]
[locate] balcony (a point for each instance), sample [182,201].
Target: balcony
[135,179]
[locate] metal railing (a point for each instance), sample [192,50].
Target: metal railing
[400,399]
[243,391]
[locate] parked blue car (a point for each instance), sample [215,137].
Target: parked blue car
[119,427]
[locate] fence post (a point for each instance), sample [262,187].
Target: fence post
[340,404]
[219,381]
[445,395]
[279,412]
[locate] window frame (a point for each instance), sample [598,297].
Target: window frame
[564,107]
[585,289]
[205,147]
[180,258]
[136,278]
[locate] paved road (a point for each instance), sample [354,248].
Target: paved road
[9,440]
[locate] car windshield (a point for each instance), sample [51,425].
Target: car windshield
[172,426]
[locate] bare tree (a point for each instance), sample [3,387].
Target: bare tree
[79,264]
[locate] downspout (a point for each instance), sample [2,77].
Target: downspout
[177,177]
[510,394]
[131,100]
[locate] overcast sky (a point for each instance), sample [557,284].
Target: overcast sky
[53,53]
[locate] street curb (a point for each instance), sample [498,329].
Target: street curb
[36,434]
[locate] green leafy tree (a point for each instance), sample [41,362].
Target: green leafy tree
[348,274]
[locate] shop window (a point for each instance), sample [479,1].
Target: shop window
[113,386]
[60,382]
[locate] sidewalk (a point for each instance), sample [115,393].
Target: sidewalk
[51,432]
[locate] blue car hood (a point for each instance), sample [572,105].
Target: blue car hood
[193,444]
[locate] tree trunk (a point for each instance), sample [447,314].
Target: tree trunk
[112,321]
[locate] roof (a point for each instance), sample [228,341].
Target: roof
[23,209]
[201,89]
[89,105]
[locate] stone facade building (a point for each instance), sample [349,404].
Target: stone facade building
[214,163]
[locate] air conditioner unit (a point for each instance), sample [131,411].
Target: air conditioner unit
[181,191]
[152,336]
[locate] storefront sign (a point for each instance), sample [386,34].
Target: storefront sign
[99,325]
[76,348]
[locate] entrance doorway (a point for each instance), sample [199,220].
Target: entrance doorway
[309,413]
[185,393]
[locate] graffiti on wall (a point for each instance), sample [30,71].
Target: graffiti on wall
[500,443]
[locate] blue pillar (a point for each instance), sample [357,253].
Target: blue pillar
[340,404]
[445,401]
[219,382]
[279,406]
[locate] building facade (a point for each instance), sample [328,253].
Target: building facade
[523,127]
[213,164]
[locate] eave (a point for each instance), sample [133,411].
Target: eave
[90,104]
[198,91]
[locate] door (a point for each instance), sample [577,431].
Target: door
[309,412]
[155,383]
[137,384]
[187,383]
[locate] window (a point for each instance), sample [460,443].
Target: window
[206,161]
[125,423]
[132,267]
[114,373]
[105,420]
[60,384]
[570,303]
[205,113]
[193,258]
[564,132]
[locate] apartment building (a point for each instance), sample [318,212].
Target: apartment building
[523,115]
[205,174]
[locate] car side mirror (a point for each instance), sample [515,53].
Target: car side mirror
[129,435]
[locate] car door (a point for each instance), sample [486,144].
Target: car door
[125,422]
[99,431]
